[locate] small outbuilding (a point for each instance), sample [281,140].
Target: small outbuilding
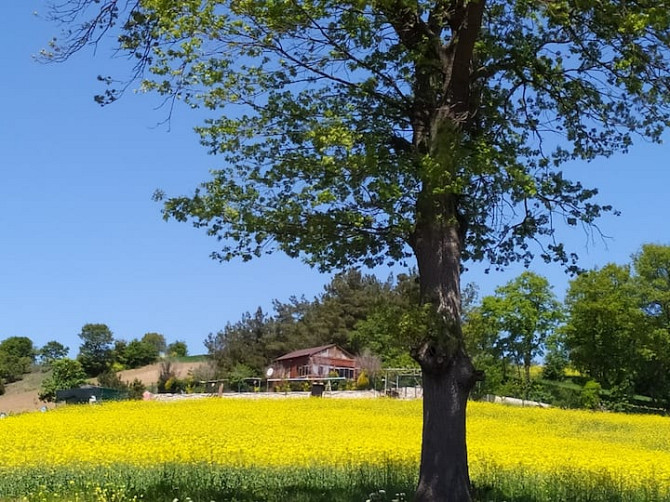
[88,394]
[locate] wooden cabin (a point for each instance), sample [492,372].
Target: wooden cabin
[315,363]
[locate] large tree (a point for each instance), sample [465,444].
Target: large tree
[652,282]
[52,351]
[365,132]
[526,312]
[95,352]
[605,325]
[17,353]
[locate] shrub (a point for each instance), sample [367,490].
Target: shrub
[590,395]
[111,380]
[362,382]
[283,386]
[166,373]
[136,389]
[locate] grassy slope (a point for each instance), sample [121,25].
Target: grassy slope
[22,395]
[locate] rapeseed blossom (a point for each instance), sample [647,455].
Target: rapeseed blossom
[633,451]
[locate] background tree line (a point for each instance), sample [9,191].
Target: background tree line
[100,355]
[612,330]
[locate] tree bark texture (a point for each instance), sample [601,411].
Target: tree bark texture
[444,474]
[448,374]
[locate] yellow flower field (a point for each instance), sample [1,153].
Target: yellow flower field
[633,450]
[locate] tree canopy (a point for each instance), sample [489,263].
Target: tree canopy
[617,330]
[53,350]
[95,352]
[526,312]
[17,353]
[66,374]
[338,113]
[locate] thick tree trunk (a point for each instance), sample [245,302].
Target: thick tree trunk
[448,374]
[444,475]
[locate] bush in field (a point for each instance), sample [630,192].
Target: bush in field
[175,385]
[240,377]
[111,380]
[590,395]
[166,374]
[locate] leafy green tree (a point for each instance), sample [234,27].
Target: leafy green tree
[52,351]
[526,312]
[480,332]
[239,376]
[348,299]
[359,132]
[605,325]
[118,356]
[652,284]
[16,356]
[177,349]
[96,351]
[19,346]
[557,358]
[12,368]
[140,353]
[66,374]
[652,272]
[380,331]
[157,340]
[381,334]
[241,344]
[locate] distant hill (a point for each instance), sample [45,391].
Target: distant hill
[148,375]
[21,396]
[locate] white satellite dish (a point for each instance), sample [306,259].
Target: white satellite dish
[269,372]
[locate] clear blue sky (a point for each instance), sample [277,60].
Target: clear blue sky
[82,241]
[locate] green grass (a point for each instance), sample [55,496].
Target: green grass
[190,359]
[206,483]
[203,483]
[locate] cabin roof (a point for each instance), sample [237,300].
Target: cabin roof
[308,352]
